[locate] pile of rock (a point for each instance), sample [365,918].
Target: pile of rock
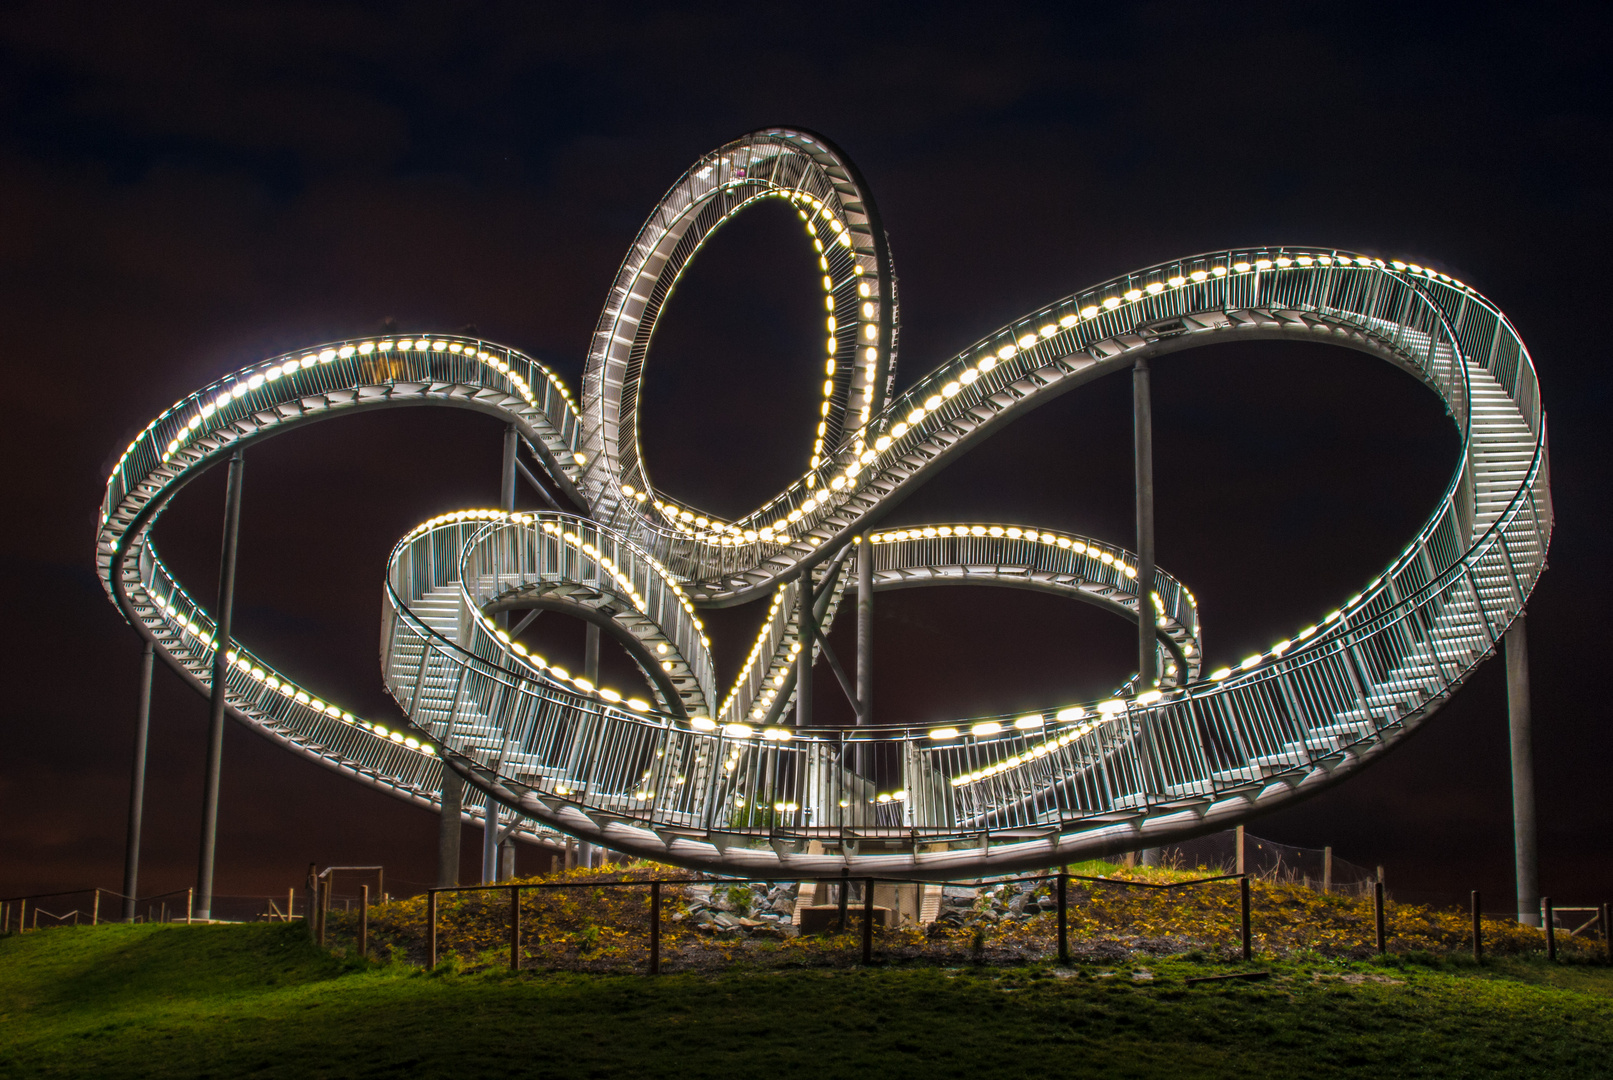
[990,904]
[758,910]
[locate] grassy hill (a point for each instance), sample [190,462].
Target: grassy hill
[260,1000]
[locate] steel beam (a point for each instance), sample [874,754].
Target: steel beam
[137,784]
[448,828]
[806,633]
[1143,446]
[1520,724]
[490,842]
[865,631]
[221,667]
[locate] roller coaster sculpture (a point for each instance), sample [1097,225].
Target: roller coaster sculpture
[728,782]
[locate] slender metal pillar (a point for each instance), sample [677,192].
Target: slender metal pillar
[865,631]
[807,635]
[1142,416]
[588,855]
[137,785]
[590,655]
[1519,721]
[448,828]
[215,721]
[490,843]
[1143,446]
[506,486]
[506,496]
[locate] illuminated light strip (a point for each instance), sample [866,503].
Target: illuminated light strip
[1041,332]
[251,666]
[1079,546]
[226,392]
[779,532]
[926,398]
[533,661]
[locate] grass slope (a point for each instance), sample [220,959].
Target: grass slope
[259,1000]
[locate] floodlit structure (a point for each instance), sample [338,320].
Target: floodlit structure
[739,778]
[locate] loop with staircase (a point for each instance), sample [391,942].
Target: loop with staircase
[684,773]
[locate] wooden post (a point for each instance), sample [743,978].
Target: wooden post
[1064,926]
[22,915]
[1377,914]
[1607,928]
[1327,869]
[845,895]
[190,904]
[515,928]
[95,909]
[868,921]
[1243,866]
[324,908]
[431,929]
[655,928]
[291,903]
[1243,896]
[1478,931]
[1547,920]
[364,920]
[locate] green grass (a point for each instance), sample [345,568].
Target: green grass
[260,1000]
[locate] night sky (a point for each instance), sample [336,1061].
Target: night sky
[186,190]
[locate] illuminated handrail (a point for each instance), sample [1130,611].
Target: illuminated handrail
[694,778]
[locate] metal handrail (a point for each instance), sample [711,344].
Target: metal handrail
[686,777]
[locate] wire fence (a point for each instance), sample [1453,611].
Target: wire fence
[1228,895]
[1235,851]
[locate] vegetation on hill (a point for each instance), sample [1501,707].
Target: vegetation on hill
[261,1000]
[602,927]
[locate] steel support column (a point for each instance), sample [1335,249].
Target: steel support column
[490,843]
[506,484]
[137,784]
[1520,723]
[806,633]
[1142,417]
[586,852]
[865,631]
[448,828]
[1143,446]
[215,720]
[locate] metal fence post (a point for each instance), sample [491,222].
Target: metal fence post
[1547,918]
[364,920]
[1377,915]
[845,894]
[431,929]
[868,921]
[1243,896]
[1064,926]
[655,928]
[1478,931]
[515,928]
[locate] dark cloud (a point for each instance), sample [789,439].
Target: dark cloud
[186,188]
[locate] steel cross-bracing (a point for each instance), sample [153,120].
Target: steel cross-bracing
[724,778]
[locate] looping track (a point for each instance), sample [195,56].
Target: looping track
[712,778]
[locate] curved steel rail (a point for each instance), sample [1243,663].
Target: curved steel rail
[720,783]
